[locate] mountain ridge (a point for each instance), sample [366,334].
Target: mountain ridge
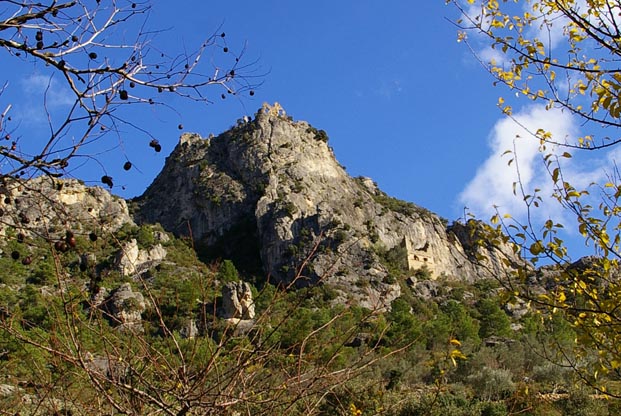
[279,181]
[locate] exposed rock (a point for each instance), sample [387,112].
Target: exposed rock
[125,308]
[50,207]
[495,341]
[517,308]
[425,289]
[189,330]
[8,390]
[161,236]
[240,326]
[274,184]
[107,366]
[99,297]
[237,301]
[131,260]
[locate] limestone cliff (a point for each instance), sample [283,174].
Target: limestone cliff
[274,185]
[48,207]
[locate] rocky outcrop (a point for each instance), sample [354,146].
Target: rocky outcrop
[237,302]
[49,207]
[274,184]
[125,308]
[111,368]
[131,260]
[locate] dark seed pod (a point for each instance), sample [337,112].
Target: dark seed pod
[127,165]
[92,55]
[251,93]
[15,255]
[74,38]
[71,242]
[40,44]
[69,233]
[222,34]
[26,260]
[92,236]
[7,200]
[61,64]
[61,246]
[82,267]
[107,180]
[158,148]
[132,84]
[20,238]
[123,95]
[180,126]
[225,49]
[39,35]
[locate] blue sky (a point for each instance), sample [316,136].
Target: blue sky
[401,100]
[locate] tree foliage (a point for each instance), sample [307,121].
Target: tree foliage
[565,54]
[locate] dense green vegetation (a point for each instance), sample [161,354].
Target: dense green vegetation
[456,353]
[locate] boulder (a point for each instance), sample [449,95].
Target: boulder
[237,302]
[131,260]
[125,307]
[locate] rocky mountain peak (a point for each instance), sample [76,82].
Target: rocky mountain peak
[271,191]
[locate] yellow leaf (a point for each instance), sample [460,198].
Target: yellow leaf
[455,342]
[455,355]
[536,248]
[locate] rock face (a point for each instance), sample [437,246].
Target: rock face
[237,301]
[131,260]
[126,307]
[274,185]
[49,207]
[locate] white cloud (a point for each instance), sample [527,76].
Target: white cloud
[56,95]
[41,94]
[492,56]
[492,184]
